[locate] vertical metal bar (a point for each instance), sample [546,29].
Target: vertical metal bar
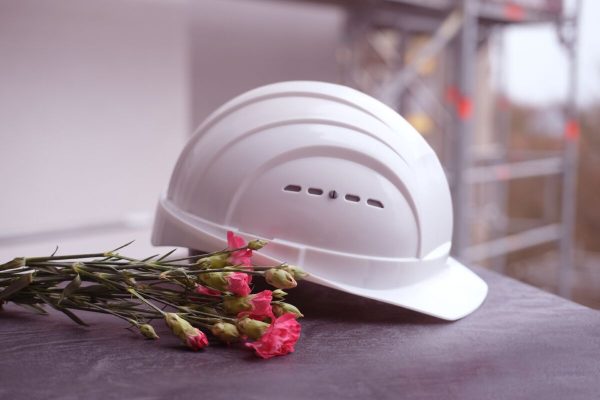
[466,54]
[389,91]
[568,206]
[502,131]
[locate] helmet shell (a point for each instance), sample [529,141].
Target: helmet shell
[337,182]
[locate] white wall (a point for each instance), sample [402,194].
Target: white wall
[238,45]
[97,97]
[93,109]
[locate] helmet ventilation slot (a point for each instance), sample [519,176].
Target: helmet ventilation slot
[375,203]
[292,188]
[352,197]
[333,195]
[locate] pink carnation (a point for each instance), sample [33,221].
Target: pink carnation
[279,338]
[239,257]
[207,291]
[196,341]
[238,283]
[261,306]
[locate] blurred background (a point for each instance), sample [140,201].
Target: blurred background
[97,99]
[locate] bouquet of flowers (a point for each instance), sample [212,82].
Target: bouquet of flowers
[207,293]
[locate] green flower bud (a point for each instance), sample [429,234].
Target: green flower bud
[215,280]
[179,326]
[14,263]
[148,331]
[252,328]
[279,294]
[257,244]
[226,332]
[214,262]
[234,304]
[283,308]
[296,272]
[280,278]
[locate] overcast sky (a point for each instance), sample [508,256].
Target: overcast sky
[536,65]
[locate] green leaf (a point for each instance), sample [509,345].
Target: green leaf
[70,288]
[71,315]
[121,247]
[54,252]
[16,285]
[149,258]
[166,255]
[14,263]
[65,311]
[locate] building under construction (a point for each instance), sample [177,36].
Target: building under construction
[429,59]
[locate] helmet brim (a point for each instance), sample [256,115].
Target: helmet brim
[451,294]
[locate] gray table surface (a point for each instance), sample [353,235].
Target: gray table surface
[521,344]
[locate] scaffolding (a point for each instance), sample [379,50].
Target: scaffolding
[451,33]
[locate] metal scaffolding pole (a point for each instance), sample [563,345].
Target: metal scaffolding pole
[502,132]
[390,91]
[518,241]
[569,206]
[455,30]
[466,54]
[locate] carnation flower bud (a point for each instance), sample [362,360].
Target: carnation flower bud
[14,263]
[196,340]
[257,244]
[192,337]
[215,280]
[180,327]
[252,328]
[283,308]
[234,304]
[296,272]
[206,291]
[148,331]
[214,262]
[226,332]
[279,294]
[280,278]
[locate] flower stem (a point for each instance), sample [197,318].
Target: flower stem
[66,257]
[107,310]
[139,296]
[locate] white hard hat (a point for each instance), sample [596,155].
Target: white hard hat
[337,182]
